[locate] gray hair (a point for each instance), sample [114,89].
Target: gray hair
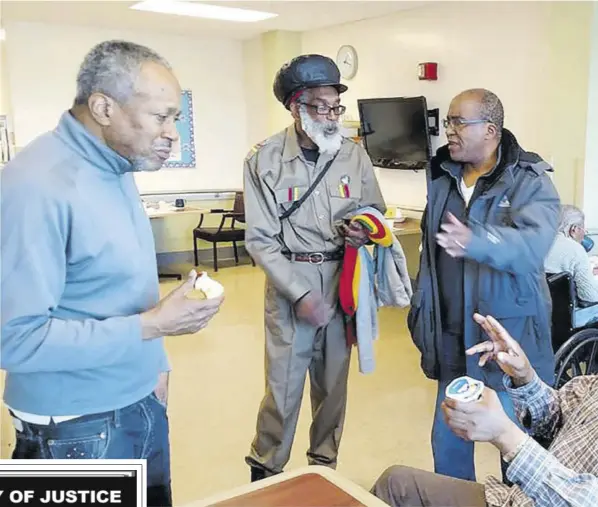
[491,107]
[111,68]
[570,216]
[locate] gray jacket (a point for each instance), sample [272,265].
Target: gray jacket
[514,222]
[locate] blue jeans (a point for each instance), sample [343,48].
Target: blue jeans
[139,431]
[454,456]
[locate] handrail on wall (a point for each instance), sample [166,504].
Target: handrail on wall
[192,195]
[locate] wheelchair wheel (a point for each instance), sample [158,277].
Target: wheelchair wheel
[577,356]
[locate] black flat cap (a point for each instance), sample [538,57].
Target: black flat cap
[303,72]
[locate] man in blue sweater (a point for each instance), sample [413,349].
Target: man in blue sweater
[82,323]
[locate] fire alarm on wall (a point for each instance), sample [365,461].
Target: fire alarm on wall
[428,71]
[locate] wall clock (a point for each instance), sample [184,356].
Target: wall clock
[346,59]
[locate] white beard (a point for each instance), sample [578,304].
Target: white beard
[326,135]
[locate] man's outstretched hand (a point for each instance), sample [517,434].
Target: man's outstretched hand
[502,348]
[455,236]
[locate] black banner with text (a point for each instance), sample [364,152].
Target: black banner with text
[57,483]
[78,490]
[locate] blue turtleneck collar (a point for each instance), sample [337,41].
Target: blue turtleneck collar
[78,138]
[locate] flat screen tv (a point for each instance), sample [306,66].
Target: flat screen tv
[395,132]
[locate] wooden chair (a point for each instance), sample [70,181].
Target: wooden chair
[223,233]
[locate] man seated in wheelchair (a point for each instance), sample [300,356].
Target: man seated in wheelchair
[569,255]
[562,472]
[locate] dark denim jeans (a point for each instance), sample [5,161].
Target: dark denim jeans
[454,456]
[139,431]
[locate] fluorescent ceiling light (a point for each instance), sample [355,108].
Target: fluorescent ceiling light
[201,10]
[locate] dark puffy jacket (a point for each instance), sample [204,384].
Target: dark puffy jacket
[514,223]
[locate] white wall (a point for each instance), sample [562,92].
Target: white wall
[42,63]
[471,43]
[540,71]
[256,87]
[263,57]
[5,108]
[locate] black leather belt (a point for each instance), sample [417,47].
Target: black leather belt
[315,257]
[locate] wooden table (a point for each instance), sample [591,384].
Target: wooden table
[171,211]
[408,227]
[313,486]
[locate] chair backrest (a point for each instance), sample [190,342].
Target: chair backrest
[562,293]
[239,207]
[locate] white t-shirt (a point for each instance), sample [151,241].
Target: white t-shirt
[466,192]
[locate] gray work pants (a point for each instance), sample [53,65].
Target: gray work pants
[294,347]
[408,487]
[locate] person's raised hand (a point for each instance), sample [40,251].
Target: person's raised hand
[503,349]
[454,237]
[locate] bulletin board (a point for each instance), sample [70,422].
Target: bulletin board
[183,151]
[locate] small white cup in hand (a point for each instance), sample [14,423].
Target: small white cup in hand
[209,287]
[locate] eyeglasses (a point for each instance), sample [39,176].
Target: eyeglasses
[458,123]
[323,110]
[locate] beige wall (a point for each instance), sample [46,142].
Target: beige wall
[568,32]
[5,430]
[279,48]
[591,163]
[256,86]
[264,55]
[540,71]
[4,85]
[3,72]
[5,104]
[7,436]
[42,64]
[534,55]
[43,61]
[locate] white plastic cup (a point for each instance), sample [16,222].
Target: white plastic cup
[465,389]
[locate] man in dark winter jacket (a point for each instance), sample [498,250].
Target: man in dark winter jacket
[490,220]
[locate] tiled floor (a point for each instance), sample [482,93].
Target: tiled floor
[217,385]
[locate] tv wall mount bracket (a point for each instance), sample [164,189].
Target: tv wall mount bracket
[434,122]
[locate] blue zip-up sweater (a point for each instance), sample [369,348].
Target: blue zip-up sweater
[78,267]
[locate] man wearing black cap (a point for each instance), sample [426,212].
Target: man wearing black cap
[299,186]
